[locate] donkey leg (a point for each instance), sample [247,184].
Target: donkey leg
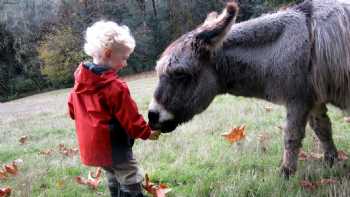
[322,126]
[293,136]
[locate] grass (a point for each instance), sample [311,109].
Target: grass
[194,160]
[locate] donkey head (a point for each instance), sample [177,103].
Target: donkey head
[187,77]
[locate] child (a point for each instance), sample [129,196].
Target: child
[106,117]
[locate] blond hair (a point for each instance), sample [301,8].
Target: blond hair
[107,35]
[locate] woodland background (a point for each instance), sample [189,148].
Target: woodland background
[41,40]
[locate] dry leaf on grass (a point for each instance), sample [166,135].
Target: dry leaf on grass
[306,184]
[342,156]
[92,181]
[69,152]
[23,139]
[268,108]
[3,174]
[303,156]
[5,192]
[236,134]
[156,190]
[47,152]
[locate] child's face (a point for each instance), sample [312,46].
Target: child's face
[117,58]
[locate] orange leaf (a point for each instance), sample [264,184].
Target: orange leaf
[69,152]
[156,190]
[236,134]
[307,185]
[11,168]
[342,156]
[47,152]
[23,139]
[326,182]
[5,191]
[92,181]
[303,156]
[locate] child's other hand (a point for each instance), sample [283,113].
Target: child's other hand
[154,135]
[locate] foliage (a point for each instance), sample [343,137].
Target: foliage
[42,40]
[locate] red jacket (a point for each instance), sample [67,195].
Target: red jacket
[101,105]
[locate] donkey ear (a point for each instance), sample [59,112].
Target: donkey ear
[214,29]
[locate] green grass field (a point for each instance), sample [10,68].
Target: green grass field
[194,160]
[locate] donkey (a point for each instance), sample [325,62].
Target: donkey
[298,57]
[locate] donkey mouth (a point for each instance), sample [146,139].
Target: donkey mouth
[165,127]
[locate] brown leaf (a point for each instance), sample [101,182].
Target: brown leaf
[342,156]
[307,185]
[92,181]
[314,185]
[268,108]
[3,175]
[303,156]
[326,182]
[236,134]
[23,139]
[47,152]
[5,192]
[156,190]
[69,152]
[11,168]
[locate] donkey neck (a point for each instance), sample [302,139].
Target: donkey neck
[239,77]
[261,56]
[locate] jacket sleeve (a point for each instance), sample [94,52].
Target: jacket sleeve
[70,106]
[126,112]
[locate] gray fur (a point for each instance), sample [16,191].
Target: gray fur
[298,57]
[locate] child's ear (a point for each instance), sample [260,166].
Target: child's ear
[108,53]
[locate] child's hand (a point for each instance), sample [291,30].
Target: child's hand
[154,135]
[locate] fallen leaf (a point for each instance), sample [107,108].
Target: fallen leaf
[315,156]
[307,185]
[69,152]
[347,119]
[313,185]
[3,175]
[60,184]
[47,152]
[268,108]
[303,156]
[326,182]
[156,190]
[11,168]
[97,173]
[342,156]
[23,139]
[5,191]
[92,181]
[236,134]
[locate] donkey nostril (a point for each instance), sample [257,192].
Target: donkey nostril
[153,116]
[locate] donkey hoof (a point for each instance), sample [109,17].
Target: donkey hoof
[287,172]
[330,158]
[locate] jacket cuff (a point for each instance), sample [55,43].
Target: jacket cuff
[145,135]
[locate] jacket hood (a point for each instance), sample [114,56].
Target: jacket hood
[89,77]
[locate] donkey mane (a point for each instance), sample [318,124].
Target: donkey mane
[331,52]
[313,35]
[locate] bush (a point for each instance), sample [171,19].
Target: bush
[60,54]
